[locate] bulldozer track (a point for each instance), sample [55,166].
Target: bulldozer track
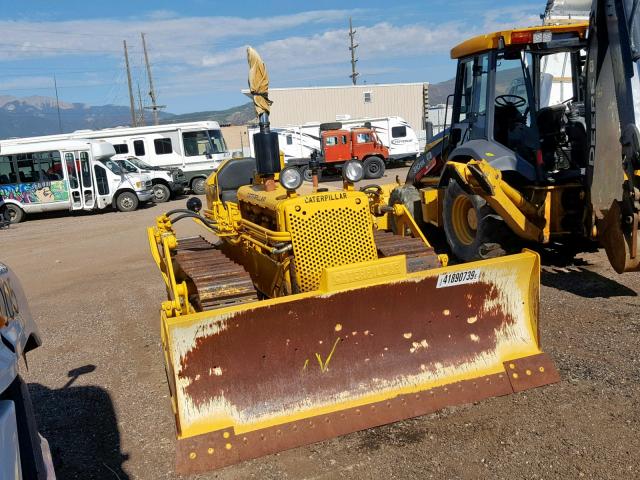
[419,256]
[215,280]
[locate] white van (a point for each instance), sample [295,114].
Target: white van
[167,183]
[197,148]
[67,175]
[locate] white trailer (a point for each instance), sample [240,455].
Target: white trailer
[196,148]
[67,175]
[299,142]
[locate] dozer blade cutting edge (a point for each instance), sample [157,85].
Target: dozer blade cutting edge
[374,346]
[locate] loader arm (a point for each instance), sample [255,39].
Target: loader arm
[613,114]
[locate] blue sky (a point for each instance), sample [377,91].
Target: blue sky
[197,47]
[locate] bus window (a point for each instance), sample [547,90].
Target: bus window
[101,180]
[8,172]
[50,166]
[27,172]
[71,169]
[163,146]
[138,148]
[85,169]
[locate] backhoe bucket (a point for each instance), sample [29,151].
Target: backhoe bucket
[375,346]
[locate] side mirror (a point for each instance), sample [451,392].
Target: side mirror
[194,204]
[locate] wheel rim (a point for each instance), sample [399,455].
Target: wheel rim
[127,202]
[198,185]
[464,220]
[306,174]
[374,168]
[158,193]
[11,214]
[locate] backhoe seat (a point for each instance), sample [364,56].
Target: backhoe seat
[235,174]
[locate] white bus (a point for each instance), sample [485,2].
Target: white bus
[67,175]
[298,142]
[196,148]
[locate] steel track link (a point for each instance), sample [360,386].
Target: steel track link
[214,280]
[419,256]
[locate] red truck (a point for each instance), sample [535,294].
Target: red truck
[339,146]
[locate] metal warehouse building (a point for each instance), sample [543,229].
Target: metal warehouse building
[296,106]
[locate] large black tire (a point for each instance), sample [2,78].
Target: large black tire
[409,196]
[473,229]
[374,168]
[161,193]
[127,202]
[198,185]
[13,213]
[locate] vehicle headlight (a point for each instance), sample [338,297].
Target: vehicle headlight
[353,171]
[291,178]
[138,184]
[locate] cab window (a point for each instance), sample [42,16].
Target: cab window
[101,180]
[331,141]
[363,138]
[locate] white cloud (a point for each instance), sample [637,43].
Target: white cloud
[202,54]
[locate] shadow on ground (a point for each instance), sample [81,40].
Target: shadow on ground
[82,429]
[584,283]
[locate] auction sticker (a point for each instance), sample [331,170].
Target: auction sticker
[458,278]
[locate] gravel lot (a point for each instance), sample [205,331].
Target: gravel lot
[99,390]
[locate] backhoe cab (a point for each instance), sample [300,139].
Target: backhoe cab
[522,158]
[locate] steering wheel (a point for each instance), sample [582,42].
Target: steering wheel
[511,101]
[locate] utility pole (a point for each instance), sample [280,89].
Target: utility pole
[141,119]
[354,60]
[134,123]
[55,85]
[152,93]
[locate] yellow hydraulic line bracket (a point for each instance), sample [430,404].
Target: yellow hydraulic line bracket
[520,215]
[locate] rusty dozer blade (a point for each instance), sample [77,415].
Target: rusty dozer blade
[254,379]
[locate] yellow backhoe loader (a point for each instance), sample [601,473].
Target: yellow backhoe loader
[515,165]
[299,315]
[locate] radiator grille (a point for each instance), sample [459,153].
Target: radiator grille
[329,237]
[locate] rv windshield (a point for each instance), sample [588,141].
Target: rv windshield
[217,141]
[203,142]
[113,166]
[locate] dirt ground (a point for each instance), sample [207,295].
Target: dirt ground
[99,387]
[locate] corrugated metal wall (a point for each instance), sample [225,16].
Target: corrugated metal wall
[296,106]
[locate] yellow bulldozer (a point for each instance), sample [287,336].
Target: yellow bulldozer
[519,163]
[299,315]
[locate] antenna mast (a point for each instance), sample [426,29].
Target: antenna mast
[354,60]
[134,123]
[152,93]
[55,85]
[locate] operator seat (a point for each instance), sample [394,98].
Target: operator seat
[235,174]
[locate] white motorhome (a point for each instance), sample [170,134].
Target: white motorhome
[197,148]
[299,142]
[67,175]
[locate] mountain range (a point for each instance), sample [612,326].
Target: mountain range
[37,115]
